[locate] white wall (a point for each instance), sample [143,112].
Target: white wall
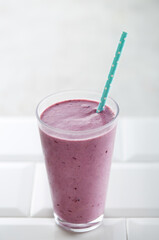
[52,45]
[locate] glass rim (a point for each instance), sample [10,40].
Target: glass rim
[78,132]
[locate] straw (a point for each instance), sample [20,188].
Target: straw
[111,73]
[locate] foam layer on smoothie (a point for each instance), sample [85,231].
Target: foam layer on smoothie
[76,115]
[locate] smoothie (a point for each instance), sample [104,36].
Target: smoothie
[78,167]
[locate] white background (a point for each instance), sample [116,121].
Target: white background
[53,45]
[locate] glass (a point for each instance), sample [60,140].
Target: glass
[78,165]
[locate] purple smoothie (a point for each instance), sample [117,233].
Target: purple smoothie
[78,169]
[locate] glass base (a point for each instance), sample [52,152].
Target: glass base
[79,227]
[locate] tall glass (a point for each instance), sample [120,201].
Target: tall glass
[78,165]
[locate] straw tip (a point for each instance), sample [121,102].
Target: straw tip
[125,34]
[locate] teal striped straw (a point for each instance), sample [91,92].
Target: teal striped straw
[111,73]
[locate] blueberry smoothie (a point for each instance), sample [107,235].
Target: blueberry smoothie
[78,166]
